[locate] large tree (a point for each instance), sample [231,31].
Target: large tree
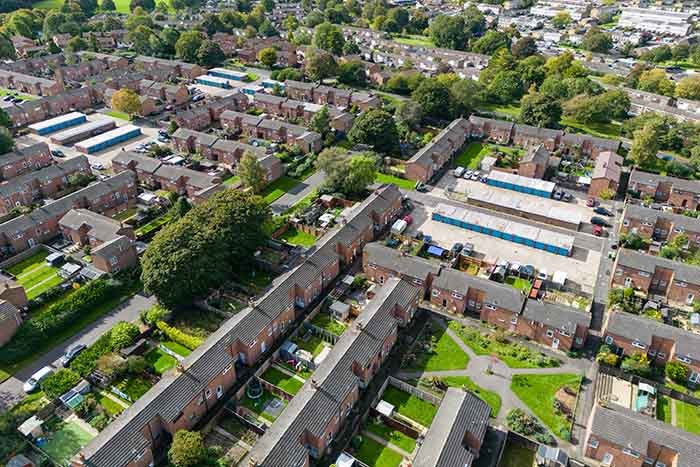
[656,81]
[449,32]
[210,54]
[539,110]
[321,121]
[434,98]
[268,56]
[5,120]
[127,101]
[376,128]
[188,45]
[466,95]
[347,173]
[7,50]
[524,47]
[319,64]
[252,173]
[645,145]
[202,250]
[490,42]
[596,40]
[689,88]
[6,141]
[408,114]
[352,73]
[329,37]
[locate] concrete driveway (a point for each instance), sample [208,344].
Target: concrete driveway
[11,390]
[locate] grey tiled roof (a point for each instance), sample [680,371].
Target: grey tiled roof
[143,163]
[455,131]
[643,329]
[648,263]
[389,258]
[536,154]
[639,212]
[646,178]
[558,316]
[113,247]
[7,311]
[101,227]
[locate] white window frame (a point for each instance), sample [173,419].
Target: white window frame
[609,340]
[550,333]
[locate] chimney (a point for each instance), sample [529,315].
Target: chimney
[179,368]
[314,383]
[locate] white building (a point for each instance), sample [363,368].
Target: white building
[657,21]
[577,9]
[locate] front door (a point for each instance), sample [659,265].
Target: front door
[219,392]
[555,343]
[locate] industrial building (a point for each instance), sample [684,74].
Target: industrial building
[546,240]
[228,74]
[81,132]
[529,207]
[109,139]
[674,23]
[58,123]
[531,186]
[214,81]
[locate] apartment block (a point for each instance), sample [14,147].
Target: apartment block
[433,156]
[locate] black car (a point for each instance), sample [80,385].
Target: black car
[72,353]
[595,220]
[456,248]
[421,187]
[57,153]
[603,211]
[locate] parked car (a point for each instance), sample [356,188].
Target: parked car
[475,176]
[168,108]
[456,248]
[71,354]
[57,153]
[567,197]
[421,187]
[32,384]
[597,231]
[458,172]
[468,174]
[7,98]
[558,195]
[590,202]
[97,166]
[468,249]
[603,211]
[595,220]
[198,97]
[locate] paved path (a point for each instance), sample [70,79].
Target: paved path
[114,399]
[296,194]
[386,443]
[11,390]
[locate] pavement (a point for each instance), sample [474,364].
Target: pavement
[297,193]
[11,391]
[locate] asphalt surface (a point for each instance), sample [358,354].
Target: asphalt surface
[11,391]
[296,194]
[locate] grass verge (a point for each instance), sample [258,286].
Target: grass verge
[490,397]
[400,182]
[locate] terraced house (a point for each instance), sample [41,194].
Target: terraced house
[676,192]
[25,159]
[433,156]
[660,226]
[662,343]
[181,398]
[659,278]
[316,414]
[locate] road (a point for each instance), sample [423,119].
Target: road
[296,194]
[602,286]
[11,390]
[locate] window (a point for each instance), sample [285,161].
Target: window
[662,355]
[643,274]
[579,341]
[593,443]
[457,296]
[609,340]
[638,344]
[550,333]
[514,320]
[628,282]
[417,281]
[694,377]
[683,359]
[689,299]
[489,306]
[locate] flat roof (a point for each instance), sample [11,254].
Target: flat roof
[56,120]
[107,136]
[534,183]
[226,71]
[529,204]
[525,231]
[212,79]
[75,131]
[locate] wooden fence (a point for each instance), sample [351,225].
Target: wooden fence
[660,387]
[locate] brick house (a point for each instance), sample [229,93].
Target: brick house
[11,291]
[299,91]
[115,255]
[587,145]
[492,130]
[606,174]
[269,103]
[144,166]
[83,227]
[195,119]
[535,162]
[556,326]
[380,263]
[676,192]
[191,141]
[184,181]
[25,159]
[434,155]
[10,320]
[657,277]
[526,136]
[660,226]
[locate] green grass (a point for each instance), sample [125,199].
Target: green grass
[400,182]
[286,383]
[134,387]
[124,215]
[298,237]
[177,348]
[119,115]
[600,130]
[663,409]
[687,417]
[256,405]
[376,455]
[684,389]
[490,397]
[278,188]
[510,110]
[395,437]
[517,456]
[122,5]
[232,180]
[330,324]
[512,354]
[472,155]
[410,406]
[414,39]
[111,407]
[35,275]
[26,97]
[443,354]
[538,391]
[160,361]
[519,283]
[152,225]
[66,441]
[313,344]
[305,373]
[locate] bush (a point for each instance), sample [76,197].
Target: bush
[112,366]
[175,335]
[677,372]
[60,382]
[100,422]
[86,360]
[519,421]
[123,335]
[154,314]
[136,365]
[637,364]
[187,449]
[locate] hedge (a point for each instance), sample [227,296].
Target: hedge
[182,338]
[86,361]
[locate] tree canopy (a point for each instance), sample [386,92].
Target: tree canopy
[252,173]
[127,101]
[376,128]
[345,172]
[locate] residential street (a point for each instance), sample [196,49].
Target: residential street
[288,200]
[11,390]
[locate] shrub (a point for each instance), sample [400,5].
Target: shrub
[112,366]
[123,334]
[677,372]
[519,421]
[86,360]
[136,365]
[100,422]
[154,314]
[182,338]
[606,355]
[187,449]
[637,364]
[59,383]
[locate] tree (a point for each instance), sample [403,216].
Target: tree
[76,44]
[210,54]
[59,383]
[656,81]
[180,208]
[287,73]
[6,141]
[7,50]
[677,372]
[321,121]
[433,97]
[539,110]
[5,120]
[268,56]
[187,449]
[108,5]
[596,40]
[524,47]
[351,48]
[490,42]
[178,5]
[466,95]
[269,5]
[329,37]
[148,5]
[346,173]
[645,145]
[400,16]
[290,23]
[449,32]
[188,45]
[688,88]
[127,101]
[252,173]
[506,87]
[123,334]
[352,73]
[561,19]
[376,128]
[637,364]
[408,114]
[319,64]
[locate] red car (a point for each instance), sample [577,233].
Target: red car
[408,220]
[590,202]
[597,231]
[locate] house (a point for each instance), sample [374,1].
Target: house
[535,162]
[24,159]
[115,255]
[676,192]
[586,145]
[144,166]
[631,334]
[606,174]
[11,291]
[83,227]
[299,91]
[489,129]
[659,226]
[380,263]
[191,141]
[526,136]
[10,320]
[657,277]
[556,326]
[457,433]
[184,181]
[656,21]
[432,157]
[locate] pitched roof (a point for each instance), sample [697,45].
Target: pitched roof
[608,165]
[558,316]
[644,262]
[536,154]
[646,178]
[100,227]
[651,216]
[644,329]
[394,260]
[8,311]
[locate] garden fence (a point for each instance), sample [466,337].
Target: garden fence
[660,388]
[175,355]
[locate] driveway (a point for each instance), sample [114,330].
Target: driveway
[11,390]
[296,194]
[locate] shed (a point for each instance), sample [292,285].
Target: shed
[340,310]
[54,258]
[69,270]
[487,163]
[304,357]
[287,350]
[345,460]
[385,408]
[558,279]
[32,426]
[399,226]
[551,457]
[21,460]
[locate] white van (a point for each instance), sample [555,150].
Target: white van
[32,383]
[458,172]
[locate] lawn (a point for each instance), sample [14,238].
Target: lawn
[663,409]
[376,455]
[160,361]
[312,344]
[257,405]
[330,324]
[152,225]
[35,275]
[111,407]
[124,215]
[400,182]
[519,283]
[65,442]
[512,354]
[304,373]
[283,381]
[600,130]
[437,351]
[688,417]
[119,115]
[414,39]
[122,5]
[510,110]
[134,387]
[278,188]
[490,397]
[232,180]
[26,97]
[177,348]
[472,155]
[538,391]
[410,406]
[395,437]
[517,456]
[297,237]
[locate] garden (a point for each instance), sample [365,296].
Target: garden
[435,350]
[327,322]
[267,406]
[402,183]
[297,237]
[391,435]
[64,441]
[440,385]
[410,406]
[373,453]
[311,343]
[512,354]
[35,275]
[687,415]
[291,384]
[278,188]
[517,456]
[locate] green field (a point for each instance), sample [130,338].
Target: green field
[278,188]
[287,383]
[688,417]
[395,437]
[35,275]
[400,182]
[376,455]
[438,352]
[490,397]
[330,324]
[538,393]
[160,361]
[412,39]
[298,237]
[509,110]
[410,406]
[66,441]
[232,180]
